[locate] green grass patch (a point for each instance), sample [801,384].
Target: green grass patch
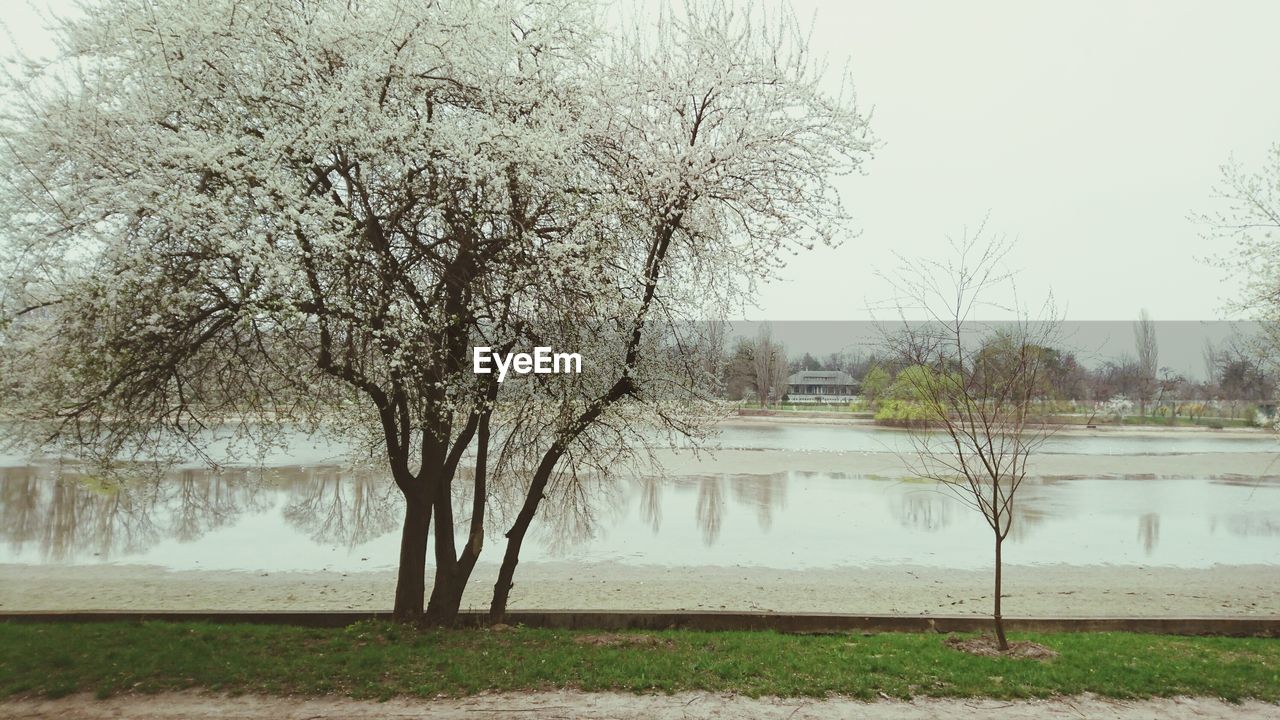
[381,660]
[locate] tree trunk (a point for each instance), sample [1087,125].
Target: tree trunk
[538,486]
[515,536]
[453,570]
[999,620]
[446,598]
[411,581]
[506,574]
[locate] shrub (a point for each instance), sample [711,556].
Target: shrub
[903,412]
[1116,408]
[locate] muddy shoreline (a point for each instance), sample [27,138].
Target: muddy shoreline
[1048,590]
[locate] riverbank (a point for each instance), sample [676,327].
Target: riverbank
[1109,429]
[1052,590]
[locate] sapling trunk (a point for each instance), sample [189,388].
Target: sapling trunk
[999,620]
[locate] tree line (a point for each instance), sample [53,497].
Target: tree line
[1237,374]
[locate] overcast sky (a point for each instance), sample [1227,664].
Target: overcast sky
[1089,130]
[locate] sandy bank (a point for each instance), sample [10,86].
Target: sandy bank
[1053,590]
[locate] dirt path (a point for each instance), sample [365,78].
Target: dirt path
[616,706]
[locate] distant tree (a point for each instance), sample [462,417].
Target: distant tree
[808,362]
[1121,376]
[875,384]
[999,352]
[914,382]
[711,353]
[837,361]
[1242,373]
[739,371]
[1144,337]
[768,366]
[1169,386]
[1067,378]
[859,363]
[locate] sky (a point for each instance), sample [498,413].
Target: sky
[1087,131]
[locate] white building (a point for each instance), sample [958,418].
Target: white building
[821,386]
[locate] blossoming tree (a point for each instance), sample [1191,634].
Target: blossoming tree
[275,215]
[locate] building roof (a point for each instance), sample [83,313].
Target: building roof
[821,377]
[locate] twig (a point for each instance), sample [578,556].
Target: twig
[793,712]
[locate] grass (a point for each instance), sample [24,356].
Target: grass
[381,660]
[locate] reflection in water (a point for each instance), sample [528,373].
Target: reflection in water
[1025,515]
[198,501]
[651,501]
[928,510]
[710,510]
[1149,531]
[301,517]
[933,509]
[762,493]
[1248,525]
[572,513]
[67,514]
[334,506]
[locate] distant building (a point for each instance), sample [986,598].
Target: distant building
[821,386]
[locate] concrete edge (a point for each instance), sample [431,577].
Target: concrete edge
[812,623]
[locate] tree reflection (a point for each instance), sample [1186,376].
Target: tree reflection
[580,503]
[651,501]
[710,510]
[932,508]
[925,509]
[199,501]
[1024,517]
[1149,531]
[763,492]
[1251,525]
[67,513]
[337,506]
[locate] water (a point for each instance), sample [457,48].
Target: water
[316,518]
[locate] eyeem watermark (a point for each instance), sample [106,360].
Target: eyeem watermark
[541,362]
